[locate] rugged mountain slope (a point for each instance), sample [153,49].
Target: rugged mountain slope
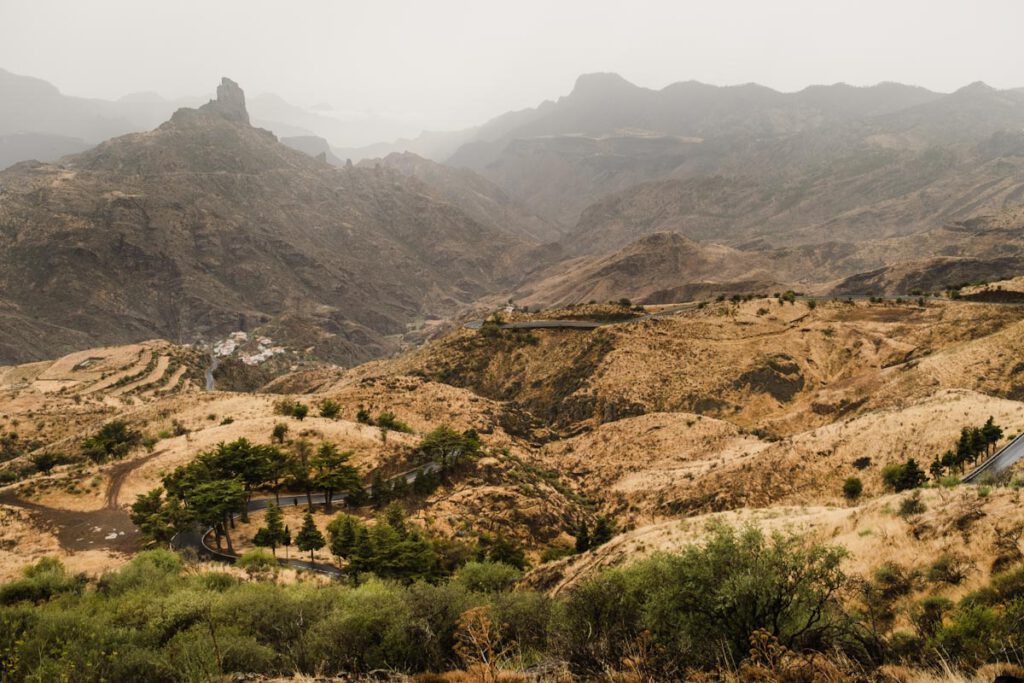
[649,269]
[207,225]
[612,162]
[481,199]
[873,194]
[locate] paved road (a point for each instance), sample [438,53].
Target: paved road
[580,324]
[196,538]
[998,463]
[594,324]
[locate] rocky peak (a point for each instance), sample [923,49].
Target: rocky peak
[230,102]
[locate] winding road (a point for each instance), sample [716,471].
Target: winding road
[196,538]
[562,324]
[998,463]
[567,324]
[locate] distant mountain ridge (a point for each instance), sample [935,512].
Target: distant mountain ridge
[207,225]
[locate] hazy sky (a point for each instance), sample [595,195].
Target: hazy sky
[452,63]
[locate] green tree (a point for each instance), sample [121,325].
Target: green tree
[114,440]
[582,537]
[159,519]
[502,549]
[380,491]
[448,447]
[334,473]
[329,408]
[309,537]
[911,476]
[271,534]
[991,433]
[212,504]
[343,531]
[280,431]
[300,470]
[44,461]
[300,411]
[604,529]
[852,488]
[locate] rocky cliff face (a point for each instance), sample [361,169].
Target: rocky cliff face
[207,225]
[230,102]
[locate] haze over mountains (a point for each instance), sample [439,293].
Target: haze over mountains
[291,394]
[208,225]
[611,191]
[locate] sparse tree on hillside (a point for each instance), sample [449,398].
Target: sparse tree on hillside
[991,434]
[44,462]
[852,488]
[329,408]
[582,537]
[604,529]
[280,431]
[309,537]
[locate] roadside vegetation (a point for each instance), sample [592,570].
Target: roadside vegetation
[742,604]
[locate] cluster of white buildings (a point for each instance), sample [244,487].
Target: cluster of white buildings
[265,349]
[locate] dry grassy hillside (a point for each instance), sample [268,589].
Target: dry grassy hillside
[765,365]
[79,510]
[981,531]
[754,405]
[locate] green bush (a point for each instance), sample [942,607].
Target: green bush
[389,421]
[852,488]
[329,408]
[487,577]
[704,603]
[912,505]
[257,562]
[114,440]
[41,581]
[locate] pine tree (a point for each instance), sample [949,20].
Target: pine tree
[991,432]
[274,527]
[937,469]
[603,532]
[309,537]
[343,530]
[394,516]
[582,537]
[363,555]
[911,476]
[379,490]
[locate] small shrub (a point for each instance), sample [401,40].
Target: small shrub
[258,562]
[949,568]
[329,408]
[912,505]
[487,577]
[852,488]
[389,421]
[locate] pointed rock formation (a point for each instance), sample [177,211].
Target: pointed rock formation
[230,102]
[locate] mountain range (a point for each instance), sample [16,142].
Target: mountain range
[209,223]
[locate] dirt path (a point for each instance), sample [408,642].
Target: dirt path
[110,528]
